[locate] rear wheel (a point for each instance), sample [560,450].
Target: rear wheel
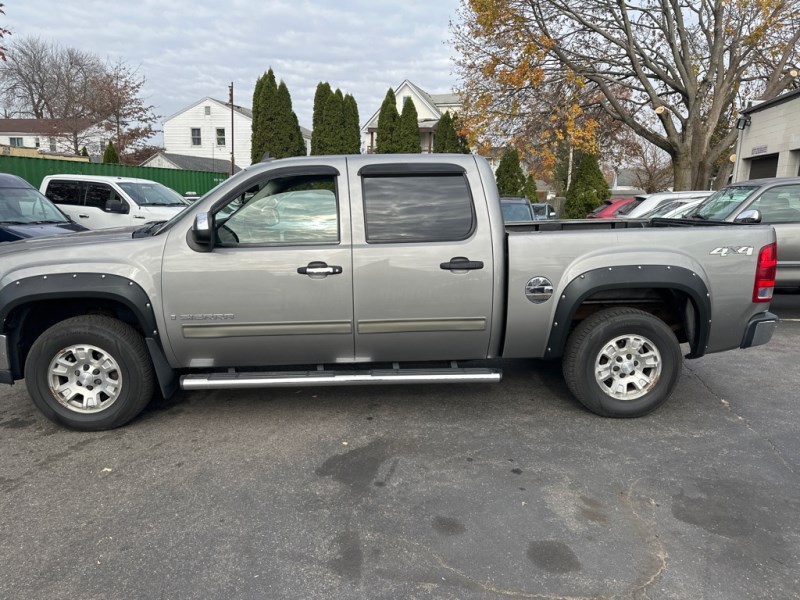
[90,372]
[622,362]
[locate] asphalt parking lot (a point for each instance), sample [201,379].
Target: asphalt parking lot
[465,492]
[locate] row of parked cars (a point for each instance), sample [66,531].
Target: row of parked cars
[71,203]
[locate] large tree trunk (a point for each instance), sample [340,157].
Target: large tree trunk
[682,170]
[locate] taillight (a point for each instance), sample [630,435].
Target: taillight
[765,273]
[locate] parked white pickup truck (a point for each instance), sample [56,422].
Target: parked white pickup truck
[371,269]
[103,202]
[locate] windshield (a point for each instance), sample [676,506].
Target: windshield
[151,194]
[27,205]
[720,206]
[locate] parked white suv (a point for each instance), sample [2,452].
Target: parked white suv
[100,202]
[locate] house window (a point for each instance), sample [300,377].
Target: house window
[196,140]
[36,142]
[207,110]
[220,136]
[51,144]
[15,141]
[102,146]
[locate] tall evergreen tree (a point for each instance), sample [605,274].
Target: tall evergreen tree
[110,155]
[529,190]
[84,151]
[447,137]
[460,145]
[588,189]
[388,122]
[509,175]
[408,141]
[445,134]
[320,99]
[330,128]
[288,138]
[265,116]
[352,129]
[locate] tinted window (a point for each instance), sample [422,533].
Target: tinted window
[65,192]
[289,211]
[97,194]
[417,208]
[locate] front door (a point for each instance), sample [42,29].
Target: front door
[277,287]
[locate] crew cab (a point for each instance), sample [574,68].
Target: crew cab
[373,269]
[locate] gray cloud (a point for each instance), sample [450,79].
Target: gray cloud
[188,49]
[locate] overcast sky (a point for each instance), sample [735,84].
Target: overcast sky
[189,49]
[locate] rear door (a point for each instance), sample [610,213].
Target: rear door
[68,195]
[422,263]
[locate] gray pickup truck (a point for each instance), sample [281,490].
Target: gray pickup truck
[369,269]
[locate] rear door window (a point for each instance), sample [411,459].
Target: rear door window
[65,192]
[417,208]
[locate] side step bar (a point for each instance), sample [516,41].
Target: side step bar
[322,377]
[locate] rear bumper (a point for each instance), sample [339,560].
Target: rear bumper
[5,366]
[759,330]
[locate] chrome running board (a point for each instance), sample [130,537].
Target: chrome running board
[329,377]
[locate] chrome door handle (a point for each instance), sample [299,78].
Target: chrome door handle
[319,268]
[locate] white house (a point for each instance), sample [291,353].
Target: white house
[430,108]
[54,135]
[769,139]
[204,129]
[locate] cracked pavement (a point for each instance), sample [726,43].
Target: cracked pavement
[456,492]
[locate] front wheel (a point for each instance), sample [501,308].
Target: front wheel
[622,362]
[90,373]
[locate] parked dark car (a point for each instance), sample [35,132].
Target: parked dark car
[26,213]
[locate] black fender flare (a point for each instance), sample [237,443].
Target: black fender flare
[91,285]
[633,277]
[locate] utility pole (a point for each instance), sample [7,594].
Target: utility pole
[230,99]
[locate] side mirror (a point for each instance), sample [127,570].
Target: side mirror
[202,231]
[552,214]
[116,206]
[749,216]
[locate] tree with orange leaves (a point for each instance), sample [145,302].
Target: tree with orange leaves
[542,73]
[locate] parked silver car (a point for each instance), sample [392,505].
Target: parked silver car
[774,201]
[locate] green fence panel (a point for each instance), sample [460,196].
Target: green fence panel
[33,170]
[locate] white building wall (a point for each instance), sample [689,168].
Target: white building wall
[773,130]
[95,140]
[158,161]
[178,133]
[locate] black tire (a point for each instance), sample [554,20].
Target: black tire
[98,361]
[638,379]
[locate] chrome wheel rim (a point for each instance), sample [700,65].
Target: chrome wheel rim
[85,379]
[628,367]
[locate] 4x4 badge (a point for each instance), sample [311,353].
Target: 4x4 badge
[725,250]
